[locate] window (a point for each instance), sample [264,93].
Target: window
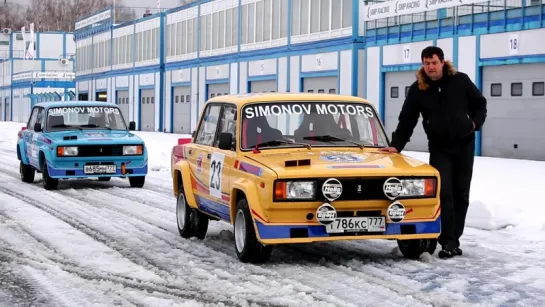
[187,99]
[538,88]
[495,89]
[153,99]
[407,88]
[32,120]
[147,100]
[394,92]
[176,99]
[207,129]
[228,124]
[516,89]
[143,100]
[321,91]
[332,91]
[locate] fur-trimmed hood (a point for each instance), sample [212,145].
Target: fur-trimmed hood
[423,79]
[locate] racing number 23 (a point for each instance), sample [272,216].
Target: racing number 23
[216,170]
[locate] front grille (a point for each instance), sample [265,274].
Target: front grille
[100,150]
[358,188]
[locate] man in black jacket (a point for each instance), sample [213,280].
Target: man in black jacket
[452,109]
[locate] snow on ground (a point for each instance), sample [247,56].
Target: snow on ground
[104,244]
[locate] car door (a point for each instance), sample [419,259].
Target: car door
[30,145]
[222,161]
[199,156]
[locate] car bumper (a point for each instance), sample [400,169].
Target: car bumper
[279,234]
[74,168]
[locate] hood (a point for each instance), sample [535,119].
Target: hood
[94,136]
[344,162]
[423,79]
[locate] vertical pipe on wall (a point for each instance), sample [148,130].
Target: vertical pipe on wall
[478,83]
[161,101]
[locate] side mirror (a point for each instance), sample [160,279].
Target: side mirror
[226,140]
[23,128]
[37,127]
[193,133]
[132,126]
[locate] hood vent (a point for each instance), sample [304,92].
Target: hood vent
[70,137]
[292,163]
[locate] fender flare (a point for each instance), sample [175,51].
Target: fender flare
[250,191]
[182,171]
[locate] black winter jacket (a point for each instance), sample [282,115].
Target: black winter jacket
[449,108]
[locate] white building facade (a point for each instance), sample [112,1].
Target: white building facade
[162,68]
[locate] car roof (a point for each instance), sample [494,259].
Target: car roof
[74,103]
[242,99]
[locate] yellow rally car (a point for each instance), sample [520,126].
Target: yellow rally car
[295,168]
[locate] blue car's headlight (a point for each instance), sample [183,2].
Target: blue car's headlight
[133,150]
[67,151]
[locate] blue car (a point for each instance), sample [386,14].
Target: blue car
[80,139]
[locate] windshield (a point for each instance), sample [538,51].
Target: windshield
[315,123]
[85,117]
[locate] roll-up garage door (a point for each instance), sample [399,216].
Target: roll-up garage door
[182,109]
[147,104]
[396,88]
[515,124]
[218,89]
[123,104]
[326,85]
[264,86]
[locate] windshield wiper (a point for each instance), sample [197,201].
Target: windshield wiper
[65,126]
[95,126]
[329,138]
[272,142]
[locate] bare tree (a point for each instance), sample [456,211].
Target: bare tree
[57,15]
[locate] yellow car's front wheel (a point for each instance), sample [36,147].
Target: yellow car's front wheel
[248,248]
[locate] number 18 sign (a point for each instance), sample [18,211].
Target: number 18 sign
[513,44]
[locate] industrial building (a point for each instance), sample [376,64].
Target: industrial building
[34,67]
[162,68]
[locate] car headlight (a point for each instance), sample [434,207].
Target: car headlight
[421,187]
[70,151]
[294,190]
[133,150]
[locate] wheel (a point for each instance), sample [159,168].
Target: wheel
[248,248]
[48,182]
[104,178]
[412,249]
[191,222]
[183,214]
[137,182]
[27,172]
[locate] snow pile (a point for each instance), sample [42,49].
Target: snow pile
[159,148]
[503,193]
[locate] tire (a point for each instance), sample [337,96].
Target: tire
[137,182]
[183,216]
[104,178]
[48,182]
[247,247]
[27,172]
[412,249]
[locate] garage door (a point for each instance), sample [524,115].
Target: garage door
[182,109]
[218,89]
[265,86]
[147,104]
[516,111]
[396,88]
[326,85]
[123,104]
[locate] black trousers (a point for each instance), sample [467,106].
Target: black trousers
[455,166]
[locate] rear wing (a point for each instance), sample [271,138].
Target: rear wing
[178,151]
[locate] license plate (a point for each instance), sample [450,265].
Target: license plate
[100,169]
[357,224]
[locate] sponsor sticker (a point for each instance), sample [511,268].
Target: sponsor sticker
[341,157]
[326,214]
[393,188]
[332,189]
[85,110]
[396,212]
[298,109]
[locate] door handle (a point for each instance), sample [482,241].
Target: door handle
[209,155]
[190,151]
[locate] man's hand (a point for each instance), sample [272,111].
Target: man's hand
[388,149]
[473,125]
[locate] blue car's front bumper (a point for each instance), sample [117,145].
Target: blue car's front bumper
[74,167]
